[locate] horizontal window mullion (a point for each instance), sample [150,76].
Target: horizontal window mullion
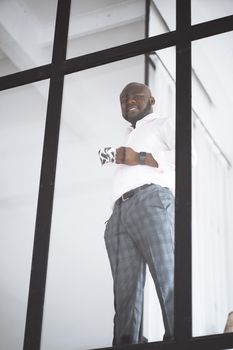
[121,52]
[25,77]
[210,28]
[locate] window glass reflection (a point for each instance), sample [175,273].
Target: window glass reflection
[101,24]
[23,112]
[212,184]
[208,10]
[79,291]
[79,295]
[26,34]
[162,16]
[162,83]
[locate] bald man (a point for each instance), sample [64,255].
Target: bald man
[140,230]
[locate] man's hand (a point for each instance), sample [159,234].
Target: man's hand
[126,155]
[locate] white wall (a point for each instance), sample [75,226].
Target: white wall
[79,301]
[212,184]
[22,119]
[212,226]
[212,237]
[78,311]
[79,298]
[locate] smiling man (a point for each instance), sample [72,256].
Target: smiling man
[140,230]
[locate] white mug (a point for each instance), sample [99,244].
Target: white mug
[107,155]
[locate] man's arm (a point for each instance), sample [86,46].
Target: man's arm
[126,155]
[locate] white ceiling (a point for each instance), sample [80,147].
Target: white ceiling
[27,29]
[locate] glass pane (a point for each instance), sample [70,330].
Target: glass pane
[208,10]
[101,24]
[79,294]
[162,16]
[22,119]
[212,183]
[26,34]
[162,83]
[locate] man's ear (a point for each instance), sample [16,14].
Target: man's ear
[152,100]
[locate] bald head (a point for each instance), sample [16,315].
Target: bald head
[136,102]
[137,85]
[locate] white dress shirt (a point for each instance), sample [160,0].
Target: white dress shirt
[154,135]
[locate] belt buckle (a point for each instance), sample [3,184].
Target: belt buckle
[123,198]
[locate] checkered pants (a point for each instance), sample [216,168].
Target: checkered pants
[140,231]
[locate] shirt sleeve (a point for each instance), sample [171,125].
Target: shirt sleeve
[166,158]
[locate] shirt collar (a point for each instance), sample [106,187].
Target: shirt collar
[146,119]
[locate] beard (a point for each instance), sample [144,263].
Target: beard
[133,120]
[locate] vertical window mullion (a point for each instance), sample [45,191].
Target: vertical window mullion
[33,327]
[146,56]
[183,299]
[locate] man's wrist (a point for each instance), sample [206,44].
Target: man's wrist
[147,159]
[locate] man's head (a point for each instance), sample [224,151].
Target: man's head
[136,102]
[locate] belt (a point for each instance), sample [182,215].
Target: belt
[130,194]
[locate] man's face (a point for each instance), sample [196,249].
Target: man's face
[136,102]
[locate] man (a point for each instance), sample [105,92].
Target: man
[141,228]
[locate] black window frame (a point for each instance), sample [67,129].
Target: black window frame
[182,38]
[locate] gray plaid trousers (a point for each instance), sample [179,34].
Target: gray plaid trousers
[140,231]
